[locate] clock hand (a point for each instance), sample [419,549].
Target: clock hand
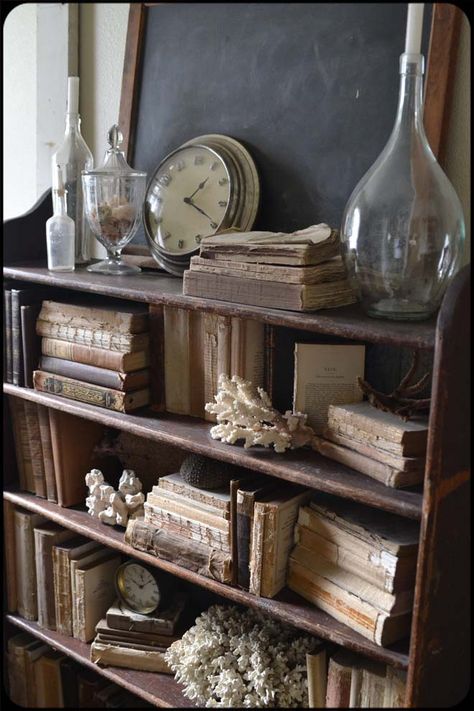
[199,187]
[188,201]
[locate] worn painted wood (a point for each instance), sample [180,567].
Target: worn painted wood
[158,689]
[131,67]
[346,322]
[288,606]
[302,466]
[439,673]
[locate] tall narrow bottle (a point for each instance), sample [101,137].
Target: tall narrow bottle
[72,157]
[60,240]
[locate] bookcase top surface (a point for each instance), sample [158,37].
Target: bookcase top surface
[156,288]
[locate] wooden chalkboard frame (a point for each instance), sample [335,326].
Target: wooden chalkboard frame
[445,28]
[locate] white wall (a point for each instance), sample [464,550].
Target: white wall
[19,110]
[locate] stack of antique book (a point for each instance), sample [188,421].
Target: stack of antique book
[357,564]
[376,443]
[186,525]
[302,271]
[134,641]
[95,353]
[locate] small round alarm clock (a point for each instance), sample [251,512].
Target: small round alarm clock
[138,587]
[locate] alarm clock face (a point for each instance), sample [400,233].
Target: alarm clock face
[137,588]
[189,197]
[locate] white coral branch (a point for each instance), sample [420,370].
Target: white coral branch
[244,412]
[114,507]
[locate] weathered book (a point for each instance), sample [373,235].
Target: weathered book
[25,522]
[269,358]
[96,376]
[49,690]
[90,394]
[411,435]
[187,527]
[272,538]
[46,536]
[338,689]
[73,440]
[295,297]
[20,297]
[112,315]
[404,464]
[189,554]
[30,342]
[157,348]
[108,633]
[325,375]
[174,503]
[345,521]
[109,339]
[311,245]
[7,306]
[368,439]
[46,445]
[63,553]
[215,340]
[178,324]
[31,655]
[395,689]
[115,641]
[391,603]
[97,555]
[379,567]
[100,357]
[218,498]
[69,672]
[317,671]
[95,592]
[143,660]
[160,493]
[10,555]
[374,624]
[247,351]
[36,449]
[16,648]
[331,270]
[163,622]
[372,688]
[22,446]
[247,493]
[395,478]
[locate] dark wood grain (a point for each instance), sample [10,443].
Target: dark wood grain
[304,467]
[288,606]
[158,689]
[131,69]
[444,40]
[439,675]
[346,322]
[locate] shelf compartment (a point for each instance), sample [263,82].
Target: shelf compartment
[156,288]
[287,606]
[304,467]
[158,689]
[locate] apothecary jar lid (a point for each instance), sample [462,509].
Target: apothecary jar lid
[115,164]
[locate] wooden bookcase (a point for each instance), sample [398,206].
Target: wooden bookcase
[437,654]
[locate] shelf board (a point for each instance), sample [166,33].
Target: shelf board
[155,287]
[304,467]
[287,606]
[158,689]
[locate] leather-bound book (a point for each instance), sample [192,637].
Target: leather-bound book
[116,315]
[100,357]
[48,461]
[30,342]
[25,522]
[98,338]
[96,376]
[45,538]
[49,690]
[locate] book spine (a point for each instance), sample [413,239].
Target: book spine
[256,549]
[338,688]
[269,355]
[48,461]
[16,675]
[90,394]
[191,555]
[79,612]
[62,592]
[26,568]
[210,349]
[401,463]
[100,357]
[177,360]
[189,529]
[8,335]
[95,376]
[204,497]
[44,582]
[82,316]
[17,413]
[244,527]
[129,658]
[36,450]
[162,505]
[30,342]
[17,353]
[124,343]
[157,349]
[10,555]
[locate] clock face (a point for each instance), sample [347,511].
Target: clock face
[138,588]
[187,199]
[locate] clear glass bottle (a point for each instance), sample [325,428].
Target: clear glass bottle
[60,240]
[403,227]
[72,157]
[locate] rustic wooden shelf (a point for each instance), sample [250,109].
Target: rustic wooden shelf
[287,606]
[301,466]
[158,689]
[156,288]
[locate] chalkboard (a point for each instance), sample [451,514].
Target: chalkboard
[310,89]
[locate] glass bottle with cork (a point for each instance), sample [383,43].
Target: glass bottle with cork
[60,231]
[72,157]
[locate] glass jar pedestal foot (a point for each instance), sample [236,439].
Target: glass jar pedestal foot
[113,265]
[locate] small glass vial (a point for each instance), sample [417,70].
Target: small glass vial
[60,236]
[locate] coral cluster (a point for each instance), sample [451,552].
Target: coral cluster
[114,507]
[234,658]
[245,412]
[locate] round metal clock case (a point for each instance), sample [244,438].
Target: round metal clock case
[137,587]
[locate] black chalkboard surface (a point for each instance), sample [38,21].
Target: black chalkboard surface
[310,89]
